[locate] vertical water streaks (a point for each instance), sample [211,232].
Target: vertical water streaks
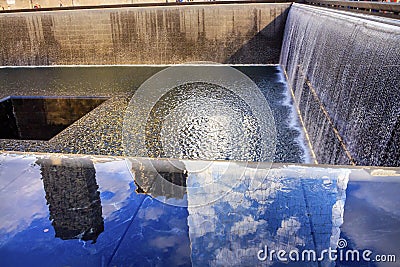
[144,35]
[344,73]
[293,121]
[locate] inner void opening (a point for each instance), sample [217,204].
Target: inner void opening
[41,118]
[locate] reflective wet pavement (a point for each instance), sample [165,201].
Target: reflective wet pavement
[59,210]
[137,229]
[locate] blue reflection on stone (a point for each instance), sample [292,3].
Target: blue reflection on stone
[107,195]
[265,209]
[230,212]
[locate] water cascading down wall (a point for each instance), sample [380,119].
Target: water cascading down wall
[344,73]
[223,33]
[343,70]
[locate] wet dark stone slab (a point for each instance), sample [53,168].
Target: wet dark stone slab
[53,221]
[60,210]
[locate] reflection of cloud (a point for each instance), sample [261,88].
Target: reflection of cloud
[23,200]
[373,218]
[238,201]
[373,195]
[164,242]
[177,223]
[151,213]
[12,167]
[266,192]
[113,176]
[262,207]
[236,256]
[246,226]
[289,229]
[177,243]
[204,221]
[212,183]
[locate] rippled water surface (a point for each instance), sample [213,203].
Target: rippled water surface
[187,112]
[203,121]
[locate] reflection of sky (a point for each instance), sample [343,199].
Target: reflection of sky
[373,196]
[233,212]
[372,219]
[22,198]
[136,228]
[26,232]
[263,208]
[113,195]
[157,236]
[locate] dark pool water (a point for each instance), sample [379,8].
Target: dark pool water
[205,121]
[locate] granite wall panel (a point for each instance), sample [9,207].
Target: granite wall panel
[234,33]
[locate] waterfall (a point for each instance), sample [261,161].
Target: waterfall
[343,69]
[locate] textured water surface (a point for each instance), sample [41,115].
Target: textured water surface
[245,117]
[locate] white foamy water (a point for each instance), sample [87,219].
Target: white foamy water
[293,121]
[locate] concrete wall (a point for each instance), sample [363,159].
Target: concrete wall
[344,72]
[27,4]
[228,33]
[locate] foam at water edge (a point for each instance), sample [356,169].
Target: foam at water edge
[343,72]
[293,120]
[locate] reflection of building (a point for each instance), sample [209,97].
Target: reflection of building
[74,202]
[160,178]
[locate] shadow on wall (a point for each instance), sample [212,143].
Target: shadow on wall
[265,46]
[28,40]
[240,33]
